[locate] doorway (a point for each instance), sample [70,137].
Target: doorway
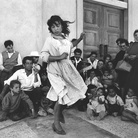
[102,26]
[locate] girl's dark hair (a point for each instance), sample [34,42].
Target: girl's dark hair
[13,82]
[65,24]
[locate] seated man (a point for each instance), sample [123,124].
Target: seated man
[76,59]
[30,82]
[8,59]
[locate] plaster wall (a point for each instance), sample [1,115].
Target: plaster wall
[21,22]
[132,18]
[24,22]
[66,9]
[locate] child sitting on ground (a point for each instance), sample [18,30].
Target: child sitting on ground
[114,102]
[96,106]
[14,103]
[130,112]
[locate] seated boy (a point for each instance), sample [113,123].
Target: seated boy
[14,103]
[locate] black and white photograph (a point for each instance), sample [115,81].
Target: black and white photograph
[68,69]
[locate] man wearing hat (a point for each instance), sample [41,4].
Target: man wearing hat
[36,67]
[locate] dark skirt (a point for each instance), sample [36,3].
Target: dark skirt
[122,77]
[132,80]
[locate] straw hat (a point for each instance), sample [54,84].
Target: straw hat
[34,54]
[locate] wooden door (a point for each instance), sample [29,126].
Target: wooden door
[102,25]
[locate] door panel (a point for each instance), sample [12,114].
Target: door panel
[102,25]
[90,41]
[112,28]
[91,27]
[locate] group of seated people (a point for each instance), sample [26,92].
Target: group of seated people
[25,85]
[106,84]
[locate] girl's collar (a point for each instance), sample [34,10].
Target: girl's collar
[58,37]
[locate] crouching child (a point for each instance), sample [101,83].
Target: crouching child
[16,104]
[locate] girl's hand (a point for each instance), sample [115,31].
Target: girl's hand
[64,56]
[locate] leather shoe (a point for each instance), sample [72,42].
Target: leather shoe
[61,132]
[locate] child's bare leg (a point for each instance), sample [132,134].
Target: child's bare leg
[115,114]
[101,116]
[130,116]
[89,114]
[123,118]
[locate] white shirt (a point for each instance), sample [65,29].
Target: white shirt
[27,82]
[19,60]
[131,105]
[116,99]
[94,81]
[77,61]
[94,64]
